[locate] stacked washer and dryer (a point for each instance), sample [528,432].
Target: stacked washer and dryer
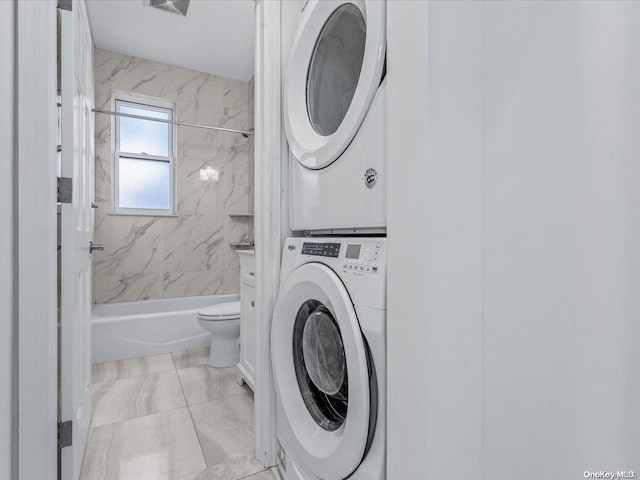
[328,337]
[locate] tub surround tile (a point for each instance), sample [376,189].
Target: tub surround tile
[251,87]
[136,397]
[203,111]
[236,469]
[184,284]
[126,288]
[235,183]
[192,243]
[191,358]
[203,383]
[132,367]
[236,103]
[197,196]
[231,281]
[103,131]
[138,250]
[190,165]
[103,179]
[251,181]
[202,88]
[224,428]
[103,160]
[198,86]
[133,74]
[158,257]
[201,143]
[163,446]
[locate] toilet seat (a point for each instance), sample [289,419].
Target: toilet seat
[220,311]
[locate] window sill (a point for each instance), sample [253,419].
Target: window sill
[142,214]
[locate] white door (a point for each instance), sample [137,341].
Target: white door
[76,232]
[322,373]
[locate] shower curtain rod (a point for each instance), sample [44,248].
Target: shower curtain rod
[246,133]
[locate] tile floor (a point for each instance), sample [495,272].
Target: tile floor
[170,417]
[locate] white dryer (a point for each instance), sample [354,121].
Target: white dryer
[328,343]
[335,117]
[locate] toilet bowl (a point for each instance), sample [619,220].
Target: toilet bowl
[223,321]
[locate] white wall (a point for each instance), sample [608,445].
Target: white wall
[562,182]
[435,244]
[36,239]
[7,293]
[513,332]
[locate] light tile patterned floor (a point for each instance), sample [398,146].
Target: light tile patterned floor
[170,417]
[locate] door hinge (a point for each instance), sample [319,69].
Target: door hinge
[65,189]
[65,4]
[65,434]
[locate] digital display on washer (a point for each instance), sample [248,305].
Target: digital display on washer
[321,249]
[353,251]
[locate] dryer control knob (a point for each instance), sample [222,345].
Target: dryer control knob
[370,177]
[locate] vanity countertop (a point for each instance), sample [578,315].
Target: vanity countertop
[246,252]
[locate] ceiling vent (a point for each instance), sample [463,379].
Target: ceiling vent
[174,6]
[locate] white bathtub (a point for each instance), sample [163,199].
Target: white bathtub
[149,327]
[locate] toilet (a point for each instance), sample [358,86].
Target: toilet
[223,321]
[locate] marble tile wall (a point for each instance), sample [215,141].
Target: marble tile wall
[149,257]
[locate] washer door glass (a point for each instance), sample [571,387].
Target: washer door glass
[335,68]
[320,365]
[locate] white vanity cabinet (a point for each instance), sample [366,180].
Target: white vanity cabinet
[248,327]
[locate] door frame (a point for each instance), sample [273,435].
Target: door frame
[36,230]
[36,235]
[268,160]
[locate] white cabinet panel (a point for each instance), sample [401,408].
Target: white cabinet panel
[248,327]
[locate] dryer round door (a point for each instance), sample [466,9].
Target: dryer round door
[321,372]
[334,71]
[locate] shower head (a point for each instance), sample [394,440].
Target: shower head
[246,135]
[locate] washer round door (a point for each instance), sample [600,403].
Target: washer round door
[321,372]
[334,71]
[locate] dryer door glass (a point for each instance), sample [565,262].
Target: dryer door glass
[335,67]
[320,365]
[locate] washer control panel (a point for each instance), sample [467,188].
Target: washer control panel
[362,258]
[321,249]
[351,257]
[359,262]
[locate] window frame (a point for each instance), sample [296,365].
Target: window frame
[153,104]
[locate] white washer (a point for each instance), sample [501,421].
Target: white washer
[328,342]
[335,117]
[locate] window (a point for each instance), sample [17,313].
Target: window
[143,156]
